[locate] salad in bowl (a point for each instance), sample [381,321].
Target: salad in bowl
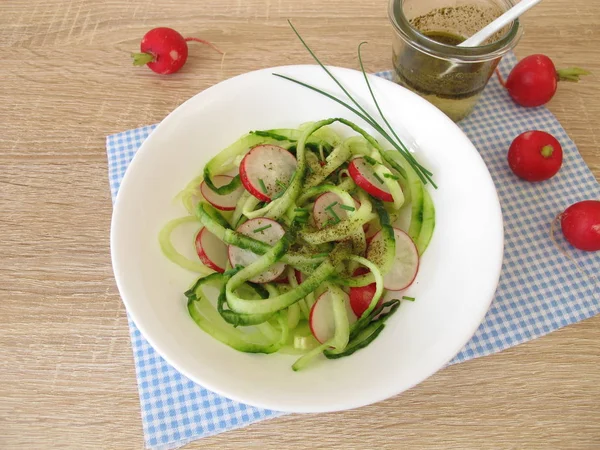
[298,233]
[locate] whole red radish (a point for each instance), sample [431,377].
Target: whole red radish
[533,81]
[164,50]
[535,156]
[580,224]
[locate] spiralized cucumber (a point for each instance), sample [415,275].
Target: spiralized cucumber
[416,194]
[168,249]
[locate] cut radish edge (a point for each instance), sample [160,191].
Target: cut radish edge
[364,176]
[282,279]
[360,297]
[211,250]
[321,319]
[264,230]
[226,202]
[406,260]
[266,171]
[328,208]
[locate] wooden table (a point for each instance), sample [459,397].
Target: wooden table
[66,81]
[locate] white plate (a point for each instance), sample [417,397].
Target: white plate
[456,281]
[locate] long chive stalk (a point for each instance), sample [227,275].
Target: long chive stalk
[362,68]
[424,174]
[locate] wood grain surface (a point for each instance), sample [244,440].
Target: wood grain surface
[67,377]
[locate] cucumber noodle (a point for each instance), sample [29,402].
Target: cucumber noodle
[273,317]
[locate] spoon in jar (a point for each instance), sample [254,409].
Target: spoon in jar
[499,23]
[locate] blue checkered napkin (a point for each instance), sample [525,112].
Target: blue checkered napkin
[540,290]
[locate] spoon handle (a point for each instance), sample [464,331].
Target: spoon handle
[499,23]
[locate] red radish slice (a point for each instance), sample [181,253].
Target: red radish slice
[266,170]
[299,276]
[321,321]
[211,250]
[364,176]
[264,230]
[226,202]
[360,297]
[282,279]
[406,261]
[327,206]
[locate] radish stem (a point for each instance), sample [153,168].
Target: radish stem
[141,59]
[571,74]
[500,79]
[547,151]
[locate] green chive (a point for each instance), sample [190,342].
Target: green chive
[333,221]
[262,185]
[266,227]
[348,208]
[370,160]
[333,213]
[270,134]
[421,171]
[391,176]
[424,174]
[280,184]
[378,177]
[410,299]
[331,205]
[279,194]
[320,255]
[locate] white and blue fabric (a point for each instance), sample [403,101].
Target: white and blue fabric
[540,289]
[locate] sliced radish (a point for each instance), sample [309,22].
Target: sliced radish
[211,250]
[360,297]
[299,276]
[328,207]
[226,202]
[264,230]
[406,260]
[321,320]
[266,170]
[282,279]
[364,176]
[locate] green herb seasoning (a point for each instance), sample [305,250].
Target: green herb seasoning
[335,217]
[260,229]
[263,188]
[370,160]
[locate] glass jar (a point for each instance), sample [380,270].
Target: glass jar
[428,61]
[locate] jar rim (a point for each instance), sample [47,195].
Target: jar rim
[419,41]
